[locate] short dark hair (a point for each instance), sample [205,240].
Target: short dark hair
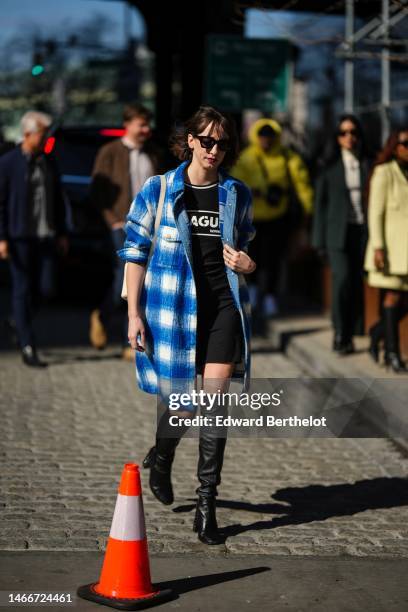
[205,116]
[131,111]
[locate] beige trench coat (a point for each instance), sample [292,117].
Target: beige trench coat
[388,219]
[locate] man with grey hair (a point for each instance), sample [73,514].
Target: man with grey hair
[34,122]
[32,224]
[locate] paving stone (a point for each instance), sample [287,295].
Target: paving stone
[68,431]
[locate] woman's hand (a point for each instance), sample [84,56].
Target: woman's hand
[136,328]
[379,259]
[4,249]
[238,261]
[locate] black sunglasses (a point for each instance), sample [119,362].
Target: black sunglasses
[208,142]
[404,143]
[345,132]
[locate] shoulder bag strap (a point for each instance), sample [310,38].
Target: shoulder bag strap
[263,168]
[158,215]
[156,227]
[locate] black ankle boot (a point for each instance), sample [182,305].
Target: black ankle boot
[30,357]
[343,345]
[160,460]
[160,476]
[392,349]
[205,521]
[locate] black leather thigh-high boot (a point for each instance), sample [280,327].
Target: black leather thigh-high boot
[211,447]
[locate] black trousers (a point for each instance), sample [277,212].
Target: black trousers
[32,267]
[347,267]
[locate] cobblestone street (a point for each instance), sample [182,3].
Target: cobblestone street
[68,430]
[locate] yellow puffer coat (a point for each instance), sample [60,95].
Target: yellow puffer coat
[278,161]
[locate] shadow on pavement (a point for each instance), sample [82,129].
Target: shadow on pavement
[287,335]
[193,583]
[317,503]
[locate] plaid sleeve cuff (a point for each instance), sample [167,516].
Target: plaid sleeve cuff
[133,254]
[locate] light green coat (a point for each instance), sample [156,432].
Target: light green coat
[388,218]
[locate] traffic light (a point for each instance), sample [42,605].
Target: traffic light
[37,67]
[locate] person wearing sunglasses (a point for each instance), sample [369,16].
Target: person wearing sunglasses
[386,257]
[340,229]
[189,312]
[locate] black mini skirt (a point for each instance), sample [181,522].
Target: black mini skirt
[219,334]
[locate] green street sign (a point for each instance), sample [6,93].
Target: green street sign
[245,73]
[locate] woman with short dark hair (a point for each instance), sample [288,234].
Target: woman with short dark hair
[191,309]
[340,229]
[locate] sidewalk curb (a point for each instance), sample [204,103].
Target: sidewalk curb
[308,346]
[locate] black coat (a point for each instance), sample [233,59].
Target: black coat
[332,203]
[14,175]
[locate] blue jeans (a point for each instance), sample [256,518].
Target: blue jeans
[32,267]
[112,300]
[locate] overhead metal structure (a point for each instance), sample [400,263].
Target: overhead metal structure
[375,33]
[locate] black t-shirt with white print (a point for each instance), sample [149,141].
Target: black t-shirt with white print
[201,203]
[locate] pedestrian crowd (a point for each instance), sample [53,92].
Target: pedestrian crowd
[355,208]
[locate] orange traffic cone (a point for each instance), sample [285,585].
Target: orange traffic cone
[125,578]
